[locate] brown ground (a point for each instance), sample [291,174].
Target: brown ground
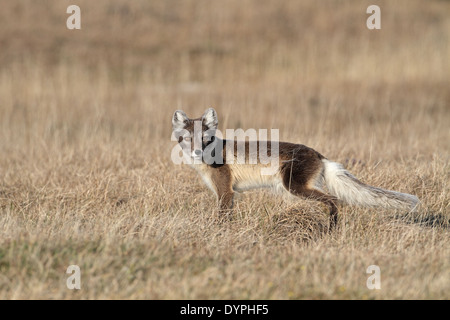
[85,170]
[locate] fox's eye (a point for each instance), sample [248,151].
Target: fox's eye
[187,138]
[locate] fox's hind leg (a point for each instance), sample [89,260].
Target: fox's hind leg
[330,201]
[225,202]
[304,179]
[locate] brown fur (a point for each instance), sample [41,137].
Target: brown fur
[300,166]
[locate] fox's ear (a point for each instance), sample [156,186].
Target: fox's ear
[209,118]
[179,120]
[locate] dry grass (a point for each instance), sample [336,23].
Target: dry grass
[86,176]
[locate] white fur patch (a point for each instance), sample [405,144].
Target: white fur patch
[343,185]
[178,119]
[202,169]
[210,118]
[246,177]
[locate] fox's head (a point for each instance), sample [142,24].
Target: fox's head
[195,136]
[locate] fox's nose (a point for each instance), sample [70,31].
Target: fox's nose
[198,152]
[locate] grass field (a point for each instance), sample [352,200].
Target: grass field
[85,171]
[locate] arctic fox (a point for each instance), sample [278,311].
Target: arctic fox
[302,171]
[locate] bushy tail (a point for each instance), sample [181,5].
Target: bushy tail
[343,185]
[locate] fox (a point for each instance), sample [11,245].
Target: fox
[302,171]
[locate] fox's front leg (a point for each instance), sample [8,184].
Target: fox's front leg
[222,181]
